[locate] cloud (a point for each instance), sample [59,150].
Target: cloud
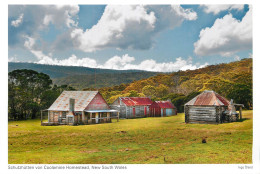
[236,58]
[226,37]
[18,21]
[215,9]
[71,61]
[13,59]
[124,62]
[34,18]
[130,26]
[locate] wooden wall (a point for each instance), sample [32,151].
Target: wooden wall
[203,114]
[98,103]
[129,111]
[54,116]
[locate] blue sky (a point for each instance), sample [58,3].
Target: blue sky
[155,38]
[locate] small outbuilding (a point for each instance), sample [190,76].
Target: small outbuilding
[132,107]
[209,107]
[79,107]
[162,108]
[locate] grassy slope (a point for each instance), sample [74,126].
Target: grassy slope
[146,140]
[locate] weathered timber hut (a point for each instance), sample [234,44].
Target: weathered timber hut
[162,108]
[209,107]
[79,107]
[132,107]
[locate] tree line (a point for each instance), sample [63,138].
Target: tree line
[232,80]
[29,92]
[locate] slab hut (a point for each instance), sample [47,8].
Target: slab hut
[132,107]
[79,107]
[162,108]
[209,107]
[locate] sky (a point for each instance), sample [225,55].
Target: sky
[162,38]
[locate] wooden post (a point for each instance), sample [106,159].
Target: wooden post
[48,116]
[240,112]
[90,121]
[108,117]
[117,116]
[83,117]
[41,117]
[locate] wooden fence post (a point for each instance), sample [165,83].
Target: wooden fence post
[41,117]
[108,117]
[240,112]
[83,117]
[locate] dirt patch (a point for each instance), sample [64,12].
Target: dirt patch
[121,132]
[89,151]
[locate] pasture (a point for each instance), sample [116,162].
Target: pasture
[156,140]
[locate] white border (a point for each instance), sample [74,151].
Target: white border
[158,168]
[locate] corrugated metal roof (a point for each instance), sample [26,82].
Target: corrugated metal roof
[136,101]
[207,98]
[165,104]
[82,99]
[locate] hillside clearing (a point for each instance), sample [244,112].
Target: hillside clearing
[147,140]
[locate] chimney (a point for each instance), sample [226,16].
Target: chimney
[71,105]
[232,107]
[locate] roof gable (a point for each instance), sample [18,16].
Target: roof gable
[82,100]
[208,98]
[136,101]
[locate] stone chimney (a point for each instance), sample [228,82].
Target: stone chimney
[71,105]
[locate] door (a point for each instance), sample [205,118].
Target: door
[134,111]
[145,111]
[169,112]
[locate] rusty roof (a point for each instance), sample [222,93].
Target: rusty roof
[136,101]
[165,104]
[208,98]
[82,99]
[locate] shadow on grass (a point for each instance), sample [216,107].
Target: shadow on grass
[243,119]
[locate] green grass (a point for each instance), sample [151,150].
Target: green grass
[145,140]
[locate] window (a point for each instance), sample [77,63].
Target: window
[63,114]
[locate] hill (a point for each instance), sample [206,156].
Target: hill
[83,77]
[56,71]
[232,80]
[101,80]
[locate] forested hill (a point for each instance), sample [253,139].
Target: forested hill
[80,82]
[232,80]
[56,71]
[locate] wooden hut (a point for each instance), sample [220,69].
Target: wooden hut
[132,107]
[162,108]
[79,107]
[209,107]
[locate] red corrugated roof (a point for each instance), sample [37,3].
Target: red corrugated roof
[165,104]
[222,99]
[207,98]
[136,101]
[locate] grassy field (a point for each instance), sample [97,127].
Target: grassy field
[145,140]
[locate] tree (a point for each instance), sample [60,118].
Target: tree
[133,93]
[241,94]
[26,88]
[161,90]
[149,91]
